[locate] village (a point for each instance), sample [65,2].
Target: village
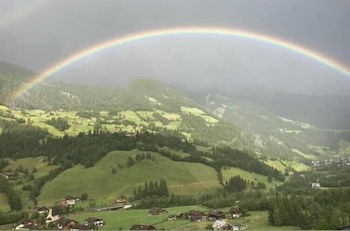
[332,162]
[50,219]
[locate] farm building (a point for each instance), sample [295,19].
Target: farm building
[157,211]
[235,212]
[216,215]
[94,222]
[194,215]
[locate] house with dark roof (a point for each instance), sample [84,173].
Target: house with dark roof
[142,227]
[174,217]
[235,212]
[9,175]
[194,215]
[214,215]
[26,224]
[120,199]
[66,224]
[157,211]
[43,210]
[94,222]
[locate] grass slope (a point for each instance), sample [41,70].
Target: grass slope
[100,182]
[229,172]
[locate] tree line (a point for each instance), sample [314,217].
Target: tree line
[151,189]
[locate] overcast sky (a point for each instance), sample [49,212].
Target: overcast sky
[38,33]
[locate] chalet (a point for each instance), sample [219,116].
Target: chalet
[26,224]
[43,210]
[157,211]
[175,217]
[62,203]
[142,227]
[194,215]
[9,175]
[315,185]
[72,200]
[216,215]
[68,201]
[94,222]
[66,224]
[224,225]
[51,218]
[235,212]
[120,200]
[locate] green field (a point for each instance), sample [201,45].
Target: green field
[258,220]
[111,123]
[198,112]
[281,165]
[99,181]
[124,219]
[248,176]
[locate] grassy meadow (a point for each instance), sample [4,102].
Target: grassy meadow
[248,176]
[124,219]
[99,181]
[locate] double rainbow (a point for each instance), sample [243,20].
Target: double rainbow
[217,31]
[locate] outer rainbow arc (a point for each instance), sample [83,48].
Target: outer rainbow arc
[320,58]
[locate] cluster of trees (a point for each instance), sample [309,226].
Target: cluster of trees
[218,199]
[235,184]
[59,123]
[20,140]
[14,200]
[152,189]
[143,156]
[322,209]
[13,217]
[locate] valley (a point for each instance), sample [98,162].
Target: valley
[208,151]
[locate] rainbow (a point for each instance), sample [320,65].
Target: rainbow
[316,56]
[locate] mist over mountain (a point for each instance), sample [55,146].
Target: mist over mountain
[250,116]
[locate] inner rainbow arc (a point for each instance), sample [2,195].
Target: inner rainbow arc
[320,58]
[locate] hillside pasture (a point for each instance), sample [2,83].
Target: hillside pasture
[99,181]
[229,172]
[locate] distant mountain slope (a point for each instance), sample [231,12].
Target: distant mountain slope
[276,133]
[324,111]
[11,77]
[244,116]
